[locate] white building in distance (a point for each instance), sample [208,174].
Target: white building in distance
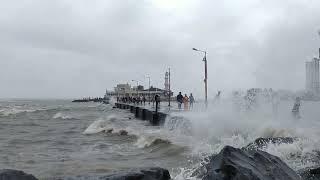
[312,76]
[125,90]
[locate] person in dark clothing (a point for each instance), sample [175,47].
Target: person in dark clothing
[144,100]
[157,100]
[191,100]
[296,108]
[179,100]
[138,100]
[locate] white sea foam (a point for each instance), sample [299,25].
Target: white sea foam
[146,141]
[143,142]
[211,130]
[104,124]
[207,132]
[60,115]
[7,111]
[96,127]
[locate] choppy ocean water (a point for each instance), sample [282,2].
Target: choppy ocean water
[57,138]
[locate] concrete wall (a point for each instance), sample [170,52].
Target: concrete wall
[142,113]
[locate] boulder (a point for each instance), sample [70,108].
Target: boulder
[261,143]
[10,174]
[236,164]
[141,174]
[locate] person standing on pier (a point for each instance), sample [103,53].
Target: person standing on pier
[138,100]
[191,99]
[186,102]
[296,108]
[144,100]
[157,100]
[179,100]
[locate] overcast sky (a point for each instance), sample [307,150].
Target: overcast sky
[76,48]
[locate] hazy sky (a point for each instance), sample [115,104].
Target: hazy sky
[75,48]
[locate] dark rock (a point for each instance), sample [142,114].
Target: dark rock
[141,174]
[261,143]
[236,164]
[310,173]
[10,174]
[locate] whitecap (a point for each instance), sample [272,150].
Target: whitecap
[59,115]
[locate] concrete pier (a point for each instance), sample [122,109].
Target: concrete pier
[143,113]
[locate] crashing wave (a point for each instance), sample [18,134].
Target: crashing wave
[146,142]
[96,127]
[105,125]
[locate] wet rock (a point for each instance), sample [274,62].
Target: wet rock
[10,174]
[310,173]
[261,143]
[141,174]
[236,164]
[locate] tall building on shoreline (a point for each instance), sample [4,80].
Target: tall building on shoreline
[312,76]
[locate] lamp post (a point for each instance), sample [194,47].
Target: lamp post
[137,86]
[149,89]
[205,74]
[169,89]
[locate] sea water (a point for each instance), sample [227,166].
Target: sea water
[57,138]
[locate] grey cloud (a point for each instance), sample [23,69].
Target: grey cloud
[78,48]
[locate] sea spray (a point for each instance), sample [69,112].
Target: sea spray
[223,125]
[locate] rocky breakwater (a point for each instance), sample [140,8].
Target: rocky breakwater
[141,174]
[133,174]
[10,174]
[247,163]
[261,143]
[237,164]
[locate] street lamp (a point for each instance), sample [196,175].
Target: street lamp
[149,89]
[169,89]
[205,74]
[137,85]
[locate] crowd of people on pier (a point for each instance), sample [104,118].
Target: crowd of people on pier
[133,99]
[185,100]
